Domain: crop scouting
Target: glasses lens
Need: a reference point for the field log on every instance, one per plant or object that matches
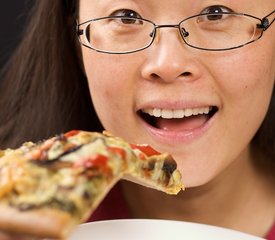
(118, 34)
(220, 31)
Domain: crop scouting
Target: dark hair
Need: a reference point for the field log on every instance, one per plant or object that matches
(45, 90)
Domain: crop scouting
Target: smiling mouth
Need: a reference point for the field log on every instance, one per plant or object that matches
(179, 119)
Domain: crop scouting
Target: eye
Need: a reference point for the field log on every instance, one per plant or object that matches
(216, 9)
(216, 12)
(125, 13)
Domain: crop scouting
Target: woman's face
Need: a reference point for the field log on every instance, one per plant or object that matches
(170, 78)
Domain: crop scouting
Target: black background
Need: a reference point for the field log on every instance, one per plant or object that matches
(13, 15)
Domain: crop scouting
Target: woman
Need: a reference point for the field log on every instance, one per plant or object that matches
(199, 87)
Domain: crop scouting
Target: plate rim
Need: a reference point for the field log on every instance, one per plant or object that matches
(163, 221)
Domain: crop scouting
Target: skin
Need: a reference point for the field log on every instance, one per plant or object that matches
(216, 162)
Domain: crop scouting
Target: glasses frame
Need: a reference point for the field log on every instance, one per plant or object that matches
(263, 26)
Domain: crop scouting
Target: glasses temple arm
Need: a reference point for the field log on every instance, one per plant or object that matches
(78, 30)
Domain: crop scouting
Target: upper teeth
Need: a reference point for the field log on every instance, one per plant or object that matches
(176, 113)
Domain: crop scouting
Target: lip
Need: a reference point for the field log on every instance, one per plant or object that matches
(176, 137)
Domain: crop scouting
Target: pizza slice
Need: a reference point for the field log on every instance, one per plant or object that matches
(48, 188)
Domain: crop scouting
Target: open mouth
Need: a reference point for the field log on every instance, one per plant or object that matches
(178, 119)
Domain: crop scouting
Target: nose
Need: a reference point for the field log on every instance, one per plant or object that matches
(170, 59)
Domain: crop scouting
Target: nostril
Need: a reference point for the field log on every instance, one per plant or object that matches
(186, 74)
(154, 76)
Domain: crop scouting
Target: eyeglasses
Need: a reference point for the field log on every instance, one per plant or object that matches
(208, 31)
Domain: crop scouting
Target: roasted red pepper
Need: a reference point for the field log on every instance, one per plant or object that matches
(71, 133)
(96, 162)
(119, 151)
(146, 149)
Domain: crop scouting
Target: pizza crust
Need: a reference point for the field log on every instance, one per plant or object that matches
(50, 223)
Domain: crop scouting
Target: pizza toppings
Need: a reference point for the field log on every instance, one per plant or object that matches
(71, 173)
(146, 149)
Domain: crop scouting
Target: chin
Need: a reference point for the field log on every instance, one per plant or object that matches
(194, 175)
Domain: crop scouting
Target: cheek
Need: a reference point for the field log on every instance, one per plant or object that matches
(250, 69)
(102, 77)
(109, 82)
(247, 79)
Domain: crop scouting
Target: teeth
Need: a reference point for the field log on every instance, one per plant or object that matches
(177, 113)
(156, 112)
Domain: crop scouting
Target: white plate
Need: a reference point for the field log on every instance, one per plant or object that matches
(141, 229)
